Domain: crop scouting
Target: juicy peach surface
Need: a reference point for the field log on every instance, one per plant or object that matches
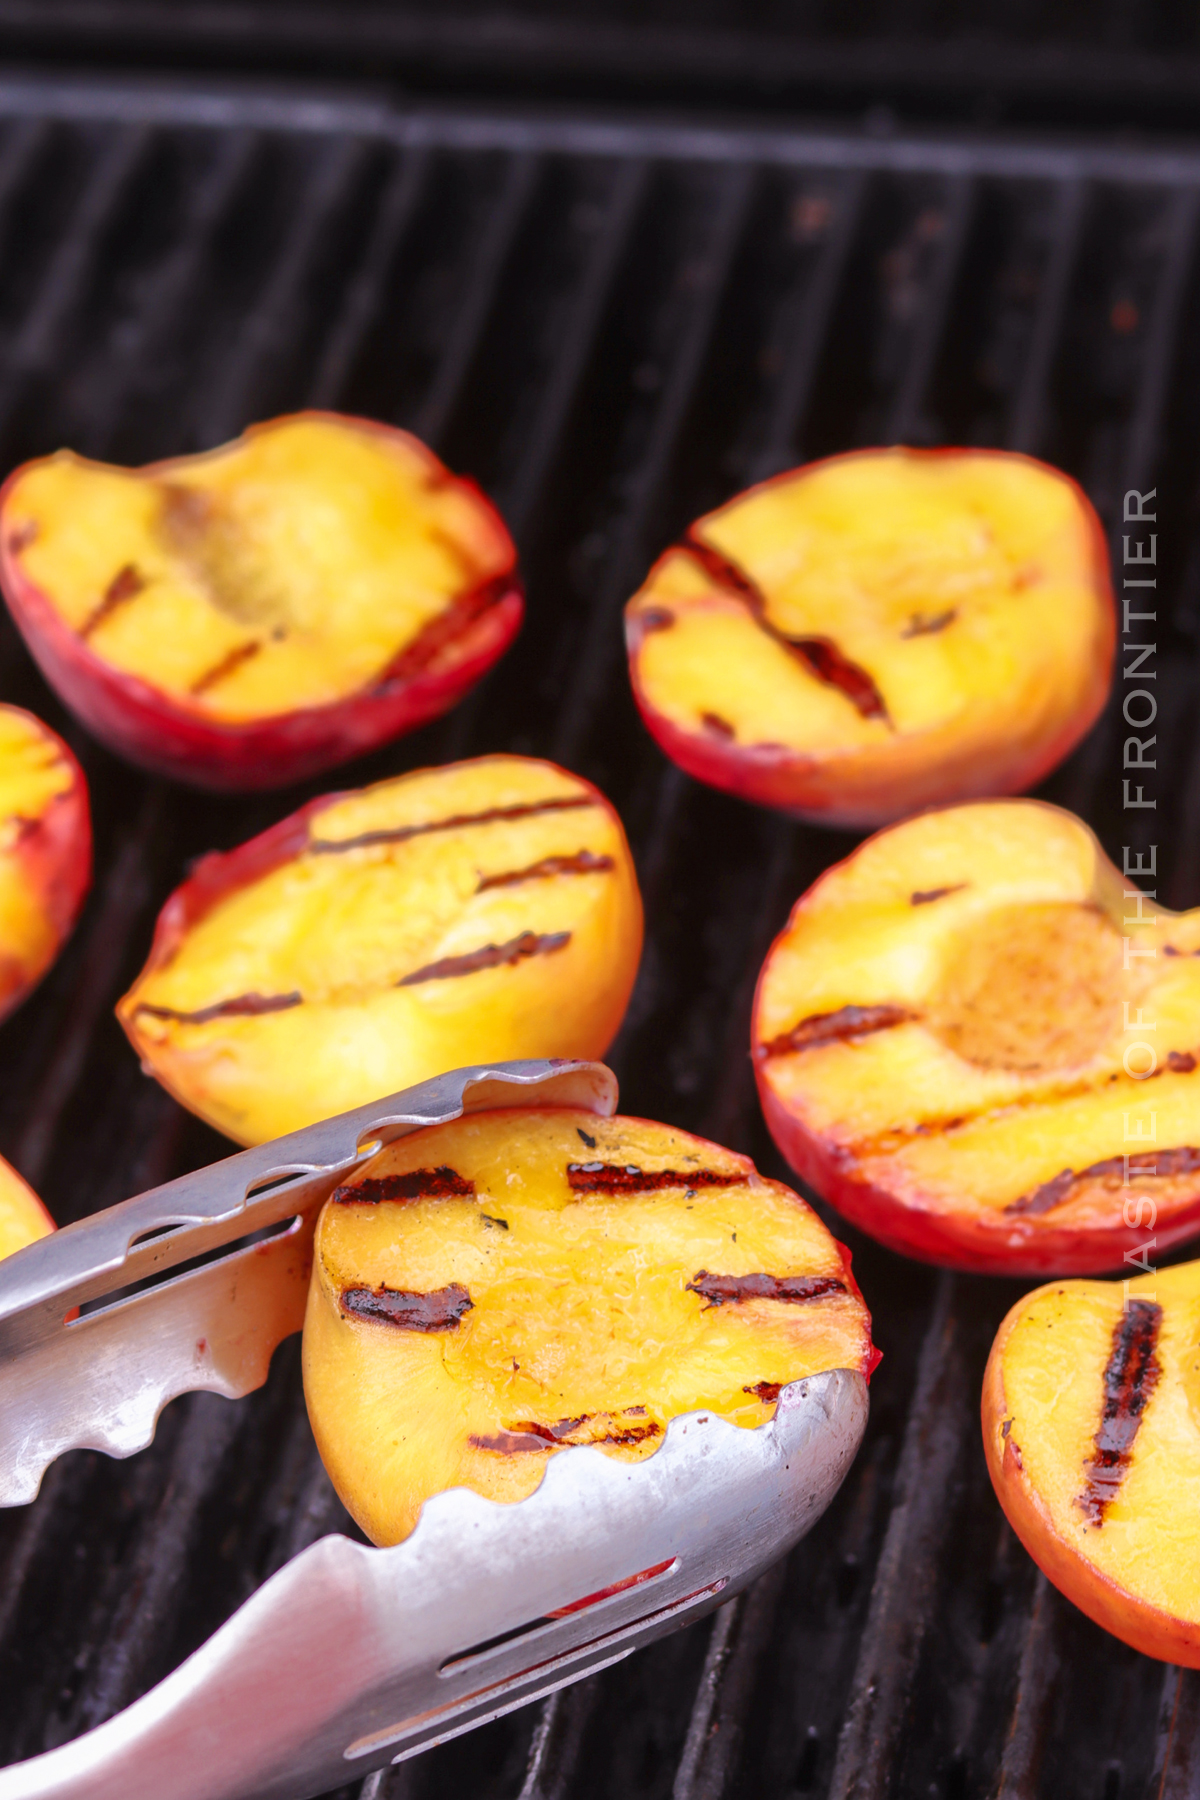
(488, 1292)
(477, 912)
(879, 632)
(23, 1218)
(45, 850)
(259, 612)
(1091, 1425)
(964, 1032)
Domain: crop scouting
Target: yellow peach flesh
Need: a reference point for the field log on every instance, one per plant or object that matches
(968, 589)
(34, 773)
(283, 571)
(574, 1310)
(23, 1218)
(1128, 1551)
(997, 935)
(356, 933)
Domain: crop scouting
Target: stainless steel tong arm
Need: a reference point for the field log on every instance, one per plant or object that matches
(350, 1658)
(99, 1380)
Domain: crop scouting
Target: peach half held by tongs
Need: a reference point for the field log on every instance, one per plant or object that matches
(485, 1605)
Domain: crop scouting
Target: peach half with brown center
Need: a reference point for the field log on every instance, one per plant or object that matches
(255, 614)
(880, 632)
(466, 914)
(45, 850)
(490, 1292)
(1091, 1426)
(981, 1042)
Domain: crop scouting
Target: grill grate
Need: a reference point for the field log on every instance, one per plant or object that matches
(613, 324)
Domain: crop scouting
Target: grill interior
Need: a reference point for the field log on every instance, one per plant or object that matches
(1111, 63)
(613, 325)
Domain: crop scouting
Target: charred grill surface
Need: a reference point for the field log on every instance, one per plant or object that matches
(612, 331)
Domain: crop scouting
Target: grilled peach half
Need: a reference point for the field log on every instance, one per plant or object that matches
(981, 1043)
(23, 1218)
(45, 850)
(1091, 1425)
(880, 632)
(490, 1292)
(481, 911)
(261, 612)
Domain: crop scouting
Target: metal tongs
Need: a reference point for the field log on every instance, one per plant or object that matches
(352, 1657)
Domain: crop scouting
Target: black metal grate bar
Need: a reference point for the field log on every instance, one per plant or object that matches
(32, 351)
(496, 248)
(1029, 424)
(521, 498)
(136, 361)
(708, 279)
(907, 421)
(557, 1746)
(122, 902)
(809, 316)
(397, 211)
(1143, 449)
(248, 377)
(1145, 443)
(905, 1589)
(740, 1634)
(1023, 1752)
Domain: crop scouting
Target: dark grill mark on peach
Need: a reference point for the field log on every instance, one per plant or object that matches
(1182, 1062)
(414, 1184)
(400, 834)
(1130, 1378)
(720, 1290)
(589, 1428)
(719, 727)
(453, 622)
(829, 665)
(490, 1219)
(727, 574)
(925, 624)
(439, 1310)
(242, 1006)
(241, 653)
(124, 585)
(491, 956)
(766, 1391)
(655, 618)
(926, 896)
(820, 655)
(627, 1178)
(584, 862)
(1185, 1160)
(847, 1023)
